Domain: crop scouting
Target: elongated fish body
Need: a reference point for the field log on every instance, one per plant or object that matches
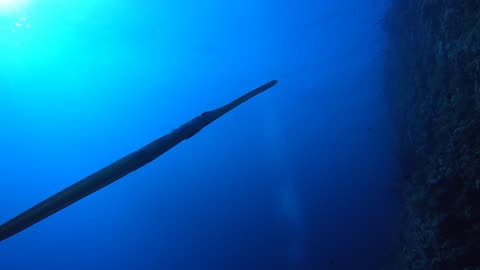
(120, 168)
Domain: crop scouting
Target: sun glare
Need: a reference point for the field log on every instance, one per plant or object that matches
(11, 5)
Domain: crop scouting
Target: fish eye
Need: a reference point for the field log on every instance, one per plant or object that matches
(203, 114)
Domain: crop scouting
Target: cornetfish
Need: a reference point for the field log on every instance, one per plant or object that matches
(120, 168)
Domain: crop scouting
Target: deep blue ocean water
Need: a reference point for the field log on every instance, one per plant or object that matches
(300, 177)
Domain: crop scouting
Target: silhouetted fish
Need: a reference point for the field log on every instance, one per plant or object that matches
(120, 168)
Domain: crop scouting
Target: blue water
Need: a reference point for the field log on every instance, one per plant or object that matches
(299, 177)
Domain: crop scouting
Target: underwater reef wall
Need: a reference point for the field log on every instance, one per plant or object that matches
(432, 86)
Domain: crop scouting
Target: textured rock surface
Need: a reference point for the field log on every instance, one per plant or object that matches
(433, 89)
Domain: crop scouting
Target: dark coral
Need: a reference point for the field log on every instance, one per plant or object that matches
(432, 85)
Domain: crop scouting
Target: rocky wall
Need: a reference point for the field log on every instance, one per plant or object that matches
(432, 86)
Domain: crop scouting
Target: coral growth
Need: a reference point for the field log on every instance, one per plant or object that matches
(432, 85)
